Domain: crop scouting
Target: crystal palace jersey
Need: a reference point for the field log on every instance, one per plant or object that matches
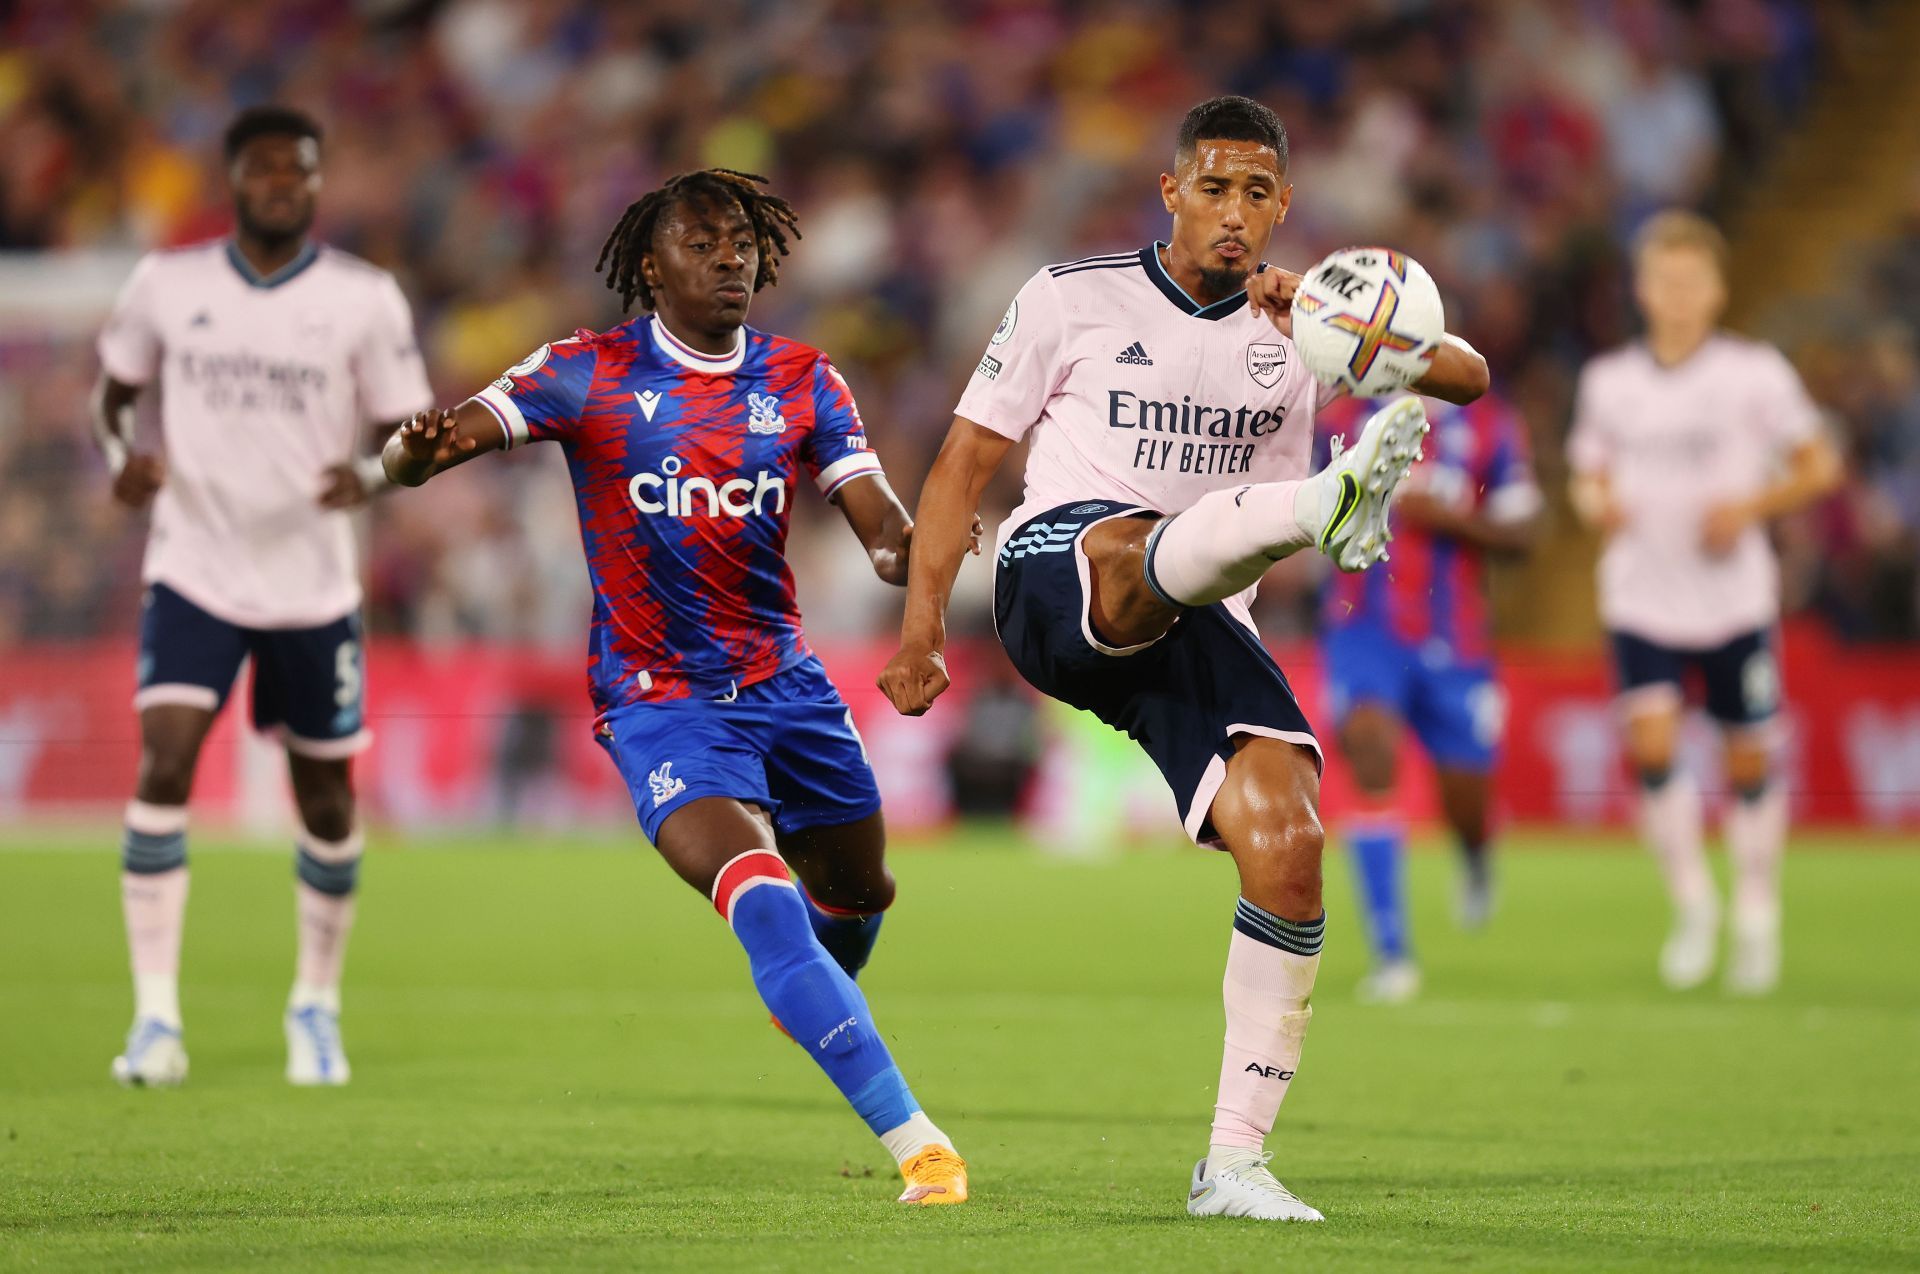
(264, 381)
(1133, 391)
(685, 467)
(1430, 593)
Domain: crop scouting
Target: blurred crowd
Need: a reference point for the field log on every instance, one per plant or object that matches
(937, 153)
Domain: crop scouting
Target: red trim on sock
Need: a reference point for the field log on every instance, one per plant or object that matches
(756, 865)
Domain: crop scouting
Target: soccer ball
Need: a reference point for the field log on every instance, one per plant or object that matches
(1365, 318)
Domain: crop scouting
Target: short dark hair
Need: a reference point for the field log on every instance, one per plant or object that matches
(267, 121)
(771, 216)
(1232, 119)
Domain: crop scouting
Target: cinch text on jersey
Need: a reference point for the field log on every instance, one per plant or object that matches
(703, 497)
(1130, 411)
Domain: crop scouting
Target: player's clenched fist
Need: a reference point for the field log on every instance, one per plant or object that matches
(138, 479)
(913, 679)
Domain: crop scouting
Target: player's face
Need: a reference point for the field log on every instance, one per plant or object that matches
(276, 186)
(1679, 288)
(703, 265)
(1225, 202)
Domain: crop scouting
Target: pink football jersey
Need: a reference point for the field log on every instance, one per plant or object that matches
(1673, 442)
(264, 383)
(1135, 392)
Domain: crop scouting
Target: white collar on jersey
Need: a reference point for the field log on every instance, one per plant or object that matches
(687, 356)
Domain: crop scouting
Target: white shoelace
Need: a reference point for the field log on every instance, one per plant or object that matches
(1254, 1172)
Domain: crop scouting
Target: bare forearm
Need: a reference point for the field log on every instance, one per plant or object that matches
(1457, 374)
(941, 537)
(111, 415)
(1815, 471)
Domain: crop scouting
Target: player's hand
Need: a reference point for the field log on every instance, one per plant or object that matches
(1424, 509)
(1723, 527)
(913, 679)
(344, 489)
(431, 437)
(1270, 292)
(141, 476)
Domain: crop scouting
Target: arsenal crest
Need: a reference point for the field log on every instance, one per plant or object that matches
(1266, 363)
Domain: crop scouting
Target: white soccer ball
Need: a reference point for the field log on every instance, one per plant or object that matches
(1366, 318)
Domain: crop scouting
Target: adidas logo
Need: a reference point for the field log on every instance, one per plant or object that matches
(1136, 354)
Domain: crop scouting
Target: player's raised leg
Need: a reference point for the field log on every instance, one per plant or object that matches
(326, 878)
(1670, 822)
(726, 849)
(1228, 539)
(1376, 838)
(153, 882)
(1266, 813)
(845, 884)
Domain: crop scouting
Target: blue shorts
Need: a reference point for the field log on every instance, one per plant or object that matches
(1741, 678)
(1454, 707)
(786, 744)
(1183, 697)
(309, 684)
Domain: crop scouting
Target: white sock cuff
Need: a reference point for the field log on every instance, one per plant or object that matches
(332, 851)
(909, 1139)
(156, 820)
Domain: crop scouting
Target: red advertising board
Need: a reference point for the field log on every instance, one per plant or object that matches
(475, 734)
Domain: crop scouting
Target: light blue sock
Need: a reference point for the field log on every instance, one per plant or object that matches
(1378, 861)
(818, 1004)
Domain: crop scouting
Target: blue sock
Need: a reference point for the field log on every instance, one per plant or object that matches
(818, 1004)
(847, 936)
(1378, 861)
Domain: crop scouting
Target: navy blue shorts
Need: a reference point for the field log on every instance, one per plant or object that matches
(1182, 698)
(1454, 706)
(309, 684)
(786, 744)
(1741, 678)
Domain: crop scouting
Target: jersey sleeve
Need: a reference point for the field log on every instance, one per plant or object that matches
(541, 397)
(836, 450)
(1508, 490)
(1787, 413)
(1587, 448)
(1023, 365)
(130, 342)
(392, 378)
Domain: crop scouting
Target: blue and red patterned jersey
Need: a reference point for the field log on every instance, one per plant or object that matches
(1432, 588)
(685, 468)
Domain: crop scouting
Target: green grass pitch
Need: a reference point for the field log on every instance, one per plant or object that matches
(559, 1064)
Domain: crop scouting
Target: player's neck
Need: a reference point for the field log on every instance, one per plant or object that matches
(1195, 282)
(1674, 346)
(268, 256)
(718, 343)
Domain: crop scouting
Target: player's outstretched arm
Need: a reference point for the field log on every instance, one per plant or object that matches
(880, 520)
(949, 503)
(136, 474)
(436, 439)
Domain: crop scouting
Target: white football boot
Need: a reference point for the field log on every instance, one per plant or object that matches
(156, 1056)
(1754, 968)
(315, 1055)
(1687, 959)
(1358, 484)
(1240, 1185)
(1391, 982)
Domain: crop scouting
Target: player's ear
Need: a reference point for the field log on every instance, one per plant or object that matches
(1285, 200)
(1169, 190)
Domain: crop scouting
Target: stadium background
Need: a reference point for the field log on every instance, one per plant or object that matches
(937, 152)
(558, 1060)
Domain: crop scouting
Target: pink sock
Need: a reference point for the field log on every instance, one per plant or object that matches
(1670, 821)
(153, 899)
(325, 922)
(1756, 842)
(1266, 992)
(1224, 543)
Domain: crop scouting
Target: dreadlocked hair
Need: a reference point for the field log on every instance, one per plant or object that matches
(772, 219)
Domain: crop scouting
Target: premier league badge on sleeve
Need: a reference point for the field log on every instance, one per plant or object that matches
(1266, 363)
(1007, 320)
